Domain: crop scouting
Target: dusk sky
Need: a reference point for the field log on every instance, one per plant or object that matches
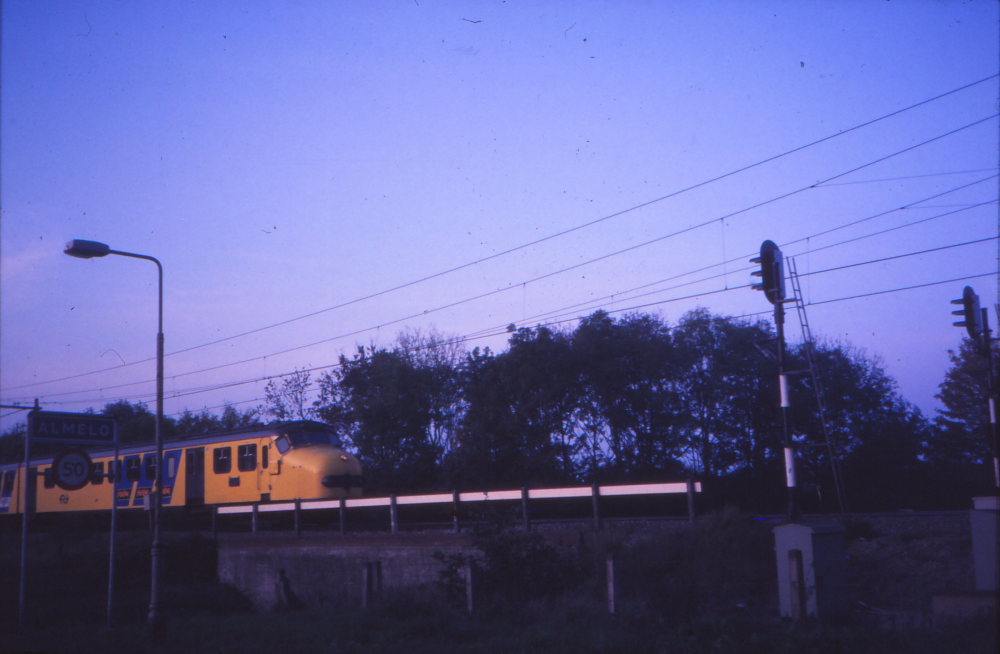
(318, 175)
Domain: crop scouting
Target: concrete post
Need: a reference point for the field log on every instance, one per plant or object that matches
(613, 588)
(215, 523)
(298, 521)
(254, 519)
(984, 520)
(343, 516)
(454, 511)
(470, 585)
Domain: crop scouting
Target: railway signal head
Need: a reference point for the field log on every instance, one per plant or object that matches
(771, 273)
(970, 311)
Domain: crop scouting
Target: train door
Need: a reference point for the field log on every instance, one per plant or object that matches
(266, 468)
(194, 475)
(171, 466)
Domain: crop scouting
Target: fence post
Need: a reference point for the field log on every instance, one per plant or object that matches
(393, 515)
(254, 520)
(454, 510)
(215, 522)
(613, 590)
(524, 508)
(690, 494)
(595, 494)
(298, 522)
(470, 585)
(343, 516)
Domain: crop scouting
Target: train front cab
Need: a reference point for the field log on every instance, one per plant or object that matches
(292, 465)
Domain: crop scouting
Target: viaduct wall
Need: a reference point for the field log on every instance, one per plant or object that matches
(284, 571)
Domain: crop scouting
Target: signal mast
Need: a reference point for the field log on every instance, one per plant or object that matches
(772, 275)
(977, 323)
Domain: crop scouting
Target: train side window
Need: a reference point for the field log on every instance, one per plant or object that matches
(8, 482)
(263, 456)
(132, 469)
(171, 467)
(281, 442)
(98, 475)
(222, 461)
(150, 466)
(247, 458)
(111, 471)
(50, 480)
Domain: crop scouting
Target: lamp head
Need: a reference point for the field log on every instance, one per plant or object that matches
(86, 249)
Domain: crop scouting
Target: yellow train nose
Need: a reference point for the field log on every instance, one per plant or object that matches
(345, 481)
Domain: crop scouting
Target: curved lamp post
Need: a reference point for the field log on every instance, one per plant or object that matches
(88, 250)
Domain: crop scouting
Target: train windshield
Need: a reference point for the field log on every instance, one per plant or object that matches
(304, 438)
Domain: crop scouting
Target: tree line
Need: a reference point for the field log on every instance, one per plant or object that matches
(630, 399)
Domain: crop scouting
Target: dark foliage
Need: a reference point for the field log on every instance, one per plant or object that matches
(632, 399)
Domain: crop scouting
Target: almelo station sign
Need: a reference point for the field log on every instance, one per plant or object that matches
(71, 428)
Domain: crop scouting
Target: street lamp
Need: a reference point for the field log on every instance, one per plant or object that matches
(88, 250)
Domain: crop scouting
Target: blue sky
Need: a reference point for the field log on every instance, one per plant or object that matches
(281, 159)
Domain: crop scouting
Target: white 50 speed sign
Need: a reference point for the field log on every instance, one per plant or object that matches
(72, 469)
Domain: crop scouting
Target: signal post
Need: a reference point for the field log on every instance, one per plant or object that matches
(976, 321)
(772, 274)
(984, 518)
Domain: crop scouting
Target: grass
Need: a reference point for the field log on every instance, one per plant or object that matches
(706, 589)
(406, 624)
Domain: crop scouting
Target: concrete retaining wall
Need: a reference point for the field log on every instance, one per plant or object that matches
(287, 572)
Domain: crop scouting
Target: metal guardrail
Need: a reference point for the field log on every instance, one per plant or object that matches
(482, 496)
(525, 495)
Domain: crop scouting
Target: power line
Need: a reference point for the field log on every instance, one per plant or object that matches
(603, 257)
(600, 301)
(899, 256)
(467, 337)
(895, 179)
(576, 228)
(403, 319)
(634, 308)
(631, 308)
(905, 288)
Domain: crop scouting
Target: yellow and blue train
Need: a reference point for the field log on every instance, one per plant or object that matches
(299, 460)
